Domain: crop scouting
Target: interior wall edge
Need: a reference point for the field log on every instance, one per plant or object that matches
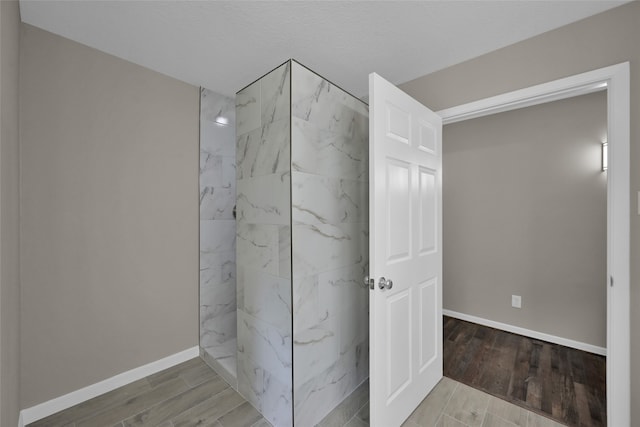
(9, 213)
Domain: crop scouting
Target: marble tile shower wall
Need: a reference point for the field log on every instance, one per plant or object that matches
(330, 238)
(217, 233)
(264, 245)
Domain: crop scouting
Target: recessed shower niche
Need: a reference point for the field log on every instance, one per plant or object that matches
(302, 247)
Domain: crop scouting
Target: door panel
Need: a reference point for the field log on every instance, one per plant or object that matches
(405, 246)
(428, 206)
(398, 199)
(398, 124)
(399, 315)
(428, 323)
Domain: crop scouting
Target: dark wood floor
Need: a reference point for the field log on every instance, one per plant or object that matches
(562, 383)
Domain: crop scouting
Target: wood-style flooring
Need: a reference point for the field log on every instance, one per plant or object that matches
(453, 404)
(562, 383)
(189, 394)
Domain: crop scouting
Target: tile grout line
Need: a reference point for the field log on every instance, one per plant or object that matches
(526, 420)
(486, 410)
(238, 405)
(506, 420)
(455, 388)
(350, 419)
(356, 413)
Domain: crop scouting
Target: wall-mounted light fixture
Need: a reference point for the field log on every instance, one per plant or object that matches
(605, 156)
(221, 120)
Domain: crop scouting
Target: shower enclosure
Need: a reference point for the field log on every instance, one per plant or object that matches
(302, 248)
(217, 233)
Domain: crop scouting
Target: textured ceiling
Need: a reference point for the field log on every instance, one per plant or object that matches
(224, 45)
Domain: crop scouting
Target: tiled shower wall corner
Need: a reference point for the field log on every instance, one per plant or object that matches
(264, 245)
(302, 156)
(330, 201)
(217, 233)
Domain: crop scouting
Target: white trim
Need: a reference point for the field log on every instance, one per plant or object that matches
(615, 79)
(580, 84)
(527, 332)
(66, 401)
(20, 420)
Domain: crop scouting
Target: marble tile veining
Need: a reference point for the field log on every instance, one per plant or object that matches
(319, 150)
(325, 247)
(265, 200)
(301, 244)
(328, 200)
(264, 245)
(257, 248)
(330, 212)
(218, 323)
(318, 101)
(250, 380)
(265, 345)
(268, 298)
(275, 92)
(276, 405)
(265, 150)
(248, 109)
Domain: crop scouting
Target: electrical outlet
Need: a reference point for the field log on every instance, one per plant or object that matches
(516, 301)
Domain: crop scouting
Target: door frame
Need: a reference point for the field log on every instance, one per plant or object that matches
(615, 80)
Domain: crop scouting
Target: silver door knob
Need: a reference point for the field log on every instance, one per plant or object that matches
(369, 282)
(385, 283)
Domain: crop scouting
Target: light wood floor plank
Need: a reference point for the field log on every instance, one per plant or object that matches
(97, 404)
(174, 372)
(136, 404)
(167, 409)
(207, 412)
(242, 416)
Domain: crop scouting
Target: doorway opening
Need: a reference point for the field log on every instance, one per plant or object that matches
(615, 80)
(524, 202)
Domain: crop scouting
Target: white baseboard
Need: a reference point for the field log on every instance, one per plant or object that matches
(58, 404)
(527, 332)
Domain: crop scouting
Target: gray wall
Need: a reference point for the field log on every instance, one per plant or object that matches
(605, 39)
(109, 244)
(9, 214)
(525, 213)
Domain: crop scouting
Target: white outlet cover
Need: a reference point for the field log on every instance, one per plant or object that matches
(516, 301)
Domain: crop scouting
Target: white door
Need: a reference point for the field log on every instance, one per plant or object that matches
(405, 320)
